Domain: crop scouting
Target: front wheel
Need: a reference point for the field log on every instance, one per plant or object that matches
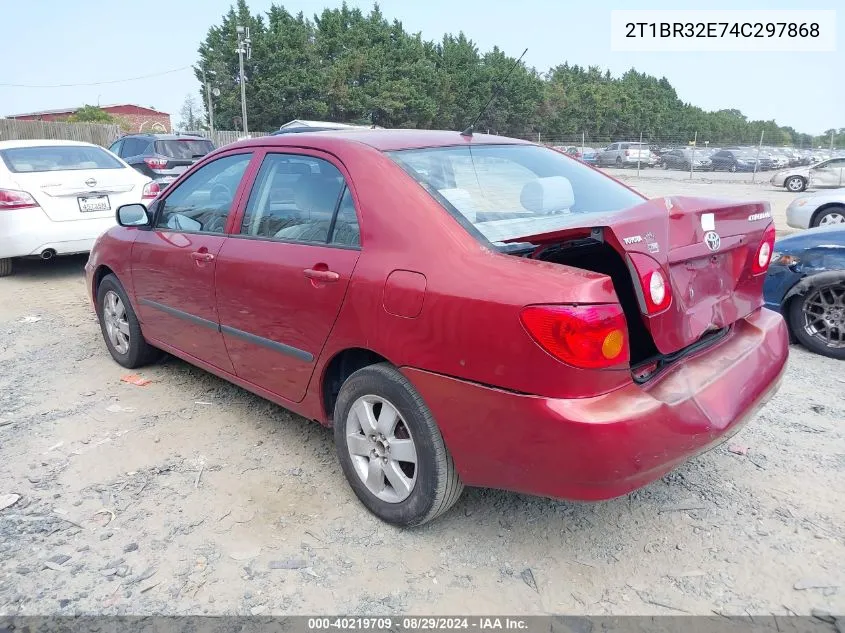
(733, 169)
(618, 162)
(817, 320)
(120, 326)
(391, 450)
(795, 184)
(5, 266)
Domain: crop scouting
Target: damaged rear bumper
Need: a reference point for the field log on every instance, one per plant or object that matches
(605, 446)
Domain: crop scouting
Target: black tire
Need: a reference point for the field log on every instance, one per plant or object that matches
(437, 486)
(619, 162)
(665, 165)
(140, 352)
(795, 184)
(819, 217)
(5, 266)
(732, 168)
(795, 318)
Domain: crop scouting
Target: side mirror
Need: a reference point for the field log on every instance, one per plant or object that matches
(132, 215)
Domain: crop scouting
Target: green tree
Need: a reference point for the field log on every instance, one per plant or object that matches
(91, 114)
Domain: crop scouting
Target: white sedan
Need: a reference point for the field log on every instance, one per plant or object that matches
(57, 197)
(821, 208)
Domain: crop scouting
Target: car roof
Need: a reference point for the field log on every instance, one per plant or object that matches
(382, 140)
(43, 142)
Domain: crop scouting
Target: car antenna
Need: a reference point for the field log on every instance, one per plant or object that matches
(495, 91)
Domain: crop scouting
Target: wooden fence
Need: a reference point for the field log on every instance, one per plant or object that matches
(98, 133)
(224, 137)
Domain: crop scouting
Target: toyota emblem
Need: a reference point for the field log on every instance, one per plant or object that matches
(91, 182)
(713, 241)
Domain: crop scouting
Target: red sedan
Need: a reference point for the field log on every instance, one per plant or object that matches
(463, 310)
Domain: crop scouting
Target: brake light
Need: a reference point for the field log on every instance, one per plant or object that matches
(10, 199)
(156, 163)
(763, 256)
(151, 190)
(656, 293)
(627, 152)
(587, 336)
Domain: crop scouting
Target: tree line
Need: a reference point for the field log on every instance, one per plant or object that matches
(347, 66)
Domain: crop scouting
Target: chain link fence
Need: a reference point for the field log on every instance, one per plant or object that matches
(695, 157)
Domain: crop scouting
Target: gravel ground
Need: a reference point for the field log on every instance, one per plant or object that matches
(190, 496)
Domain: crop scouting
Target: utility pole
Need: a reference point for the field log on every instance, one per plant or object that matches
(209, 106)
(244, 48)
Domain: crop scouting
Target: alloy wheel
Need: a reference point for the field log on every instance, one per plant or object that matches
(824, 315)
(382, 449)
(833, 217)
(117, 324)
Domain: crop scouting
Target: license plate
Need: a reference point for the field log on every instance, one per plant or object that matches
(88, 204)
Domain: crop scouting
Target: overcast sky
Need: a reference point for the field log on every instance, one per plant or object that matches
(86, 41)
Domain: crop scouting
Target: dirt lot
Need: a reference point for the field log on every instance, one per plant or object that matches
(190, 495)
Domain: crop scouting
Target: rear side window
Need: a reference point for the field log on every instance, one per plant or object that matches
(58, 158)
(294, 198)
(184, 148)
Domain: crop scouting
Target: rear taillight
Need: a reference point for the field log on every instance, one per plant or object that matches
(11, 199)
(587, 336)
(627, 152)
(763, 256)
(156, 163)
(656, 293)
(151, 190)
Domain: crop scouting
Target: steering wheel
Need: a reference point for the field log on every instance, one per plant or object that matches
(217, 224)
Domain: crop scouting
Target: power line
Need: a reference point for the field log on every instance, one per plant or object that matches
(96, 83)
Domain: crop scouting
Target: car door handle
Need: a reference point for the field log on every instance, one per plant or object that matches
(321, 275)
(202, 257)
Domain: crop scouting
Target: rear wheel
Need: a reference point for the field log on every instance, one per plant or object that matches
(619, 162)
(796, 184)
(732, 168)
(391, 450)
(5, 267)
(818, 320)
(120, 326)
(831, 215)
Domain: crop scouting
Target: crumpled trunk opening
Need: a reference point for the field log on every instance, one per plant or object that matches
(600, 257)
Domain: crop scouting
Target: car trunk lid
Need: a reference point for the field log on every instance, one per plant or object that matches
(705, 251)
(81, 193)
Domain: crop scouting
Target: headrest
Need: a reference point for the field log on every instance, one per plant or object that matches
(312, 194)
(547, 194)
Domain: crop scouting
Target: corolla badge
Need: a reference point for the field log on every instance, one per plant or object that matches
(713, 241)
(91, 182)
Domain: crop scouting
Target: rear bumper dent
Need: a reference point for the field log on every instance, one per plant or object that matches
(605, 446)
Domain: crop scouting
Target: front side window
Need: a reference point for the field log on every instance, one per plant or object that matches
(58, 158)
(202, 202)
(512, 191)
(294, 198)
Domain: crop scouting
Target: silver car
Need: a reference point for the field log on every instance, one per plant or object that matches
(822, 208)
(626, 155)
(828, 173)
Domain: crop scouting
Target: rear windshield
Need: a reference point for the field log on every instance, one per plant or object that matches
(511, 191)
(187, 148)
(58, 158)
